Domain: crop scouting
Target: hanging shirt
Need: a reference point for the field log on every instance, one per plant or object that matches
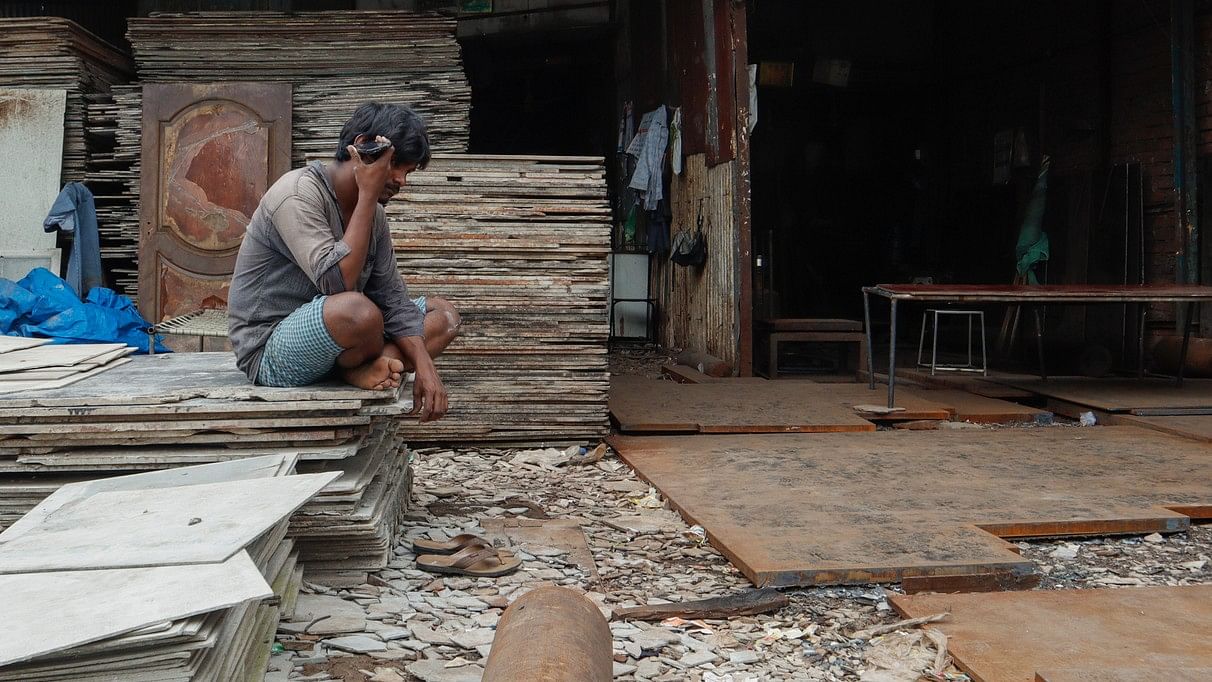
(75, 213)
(648, 148)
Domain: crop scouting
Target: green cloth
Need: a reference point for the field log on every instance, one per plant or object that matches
(1032, 247)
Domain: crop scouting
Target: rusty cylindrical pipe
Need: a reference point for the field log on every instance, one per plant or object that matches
(1199, 356)
(551, 634)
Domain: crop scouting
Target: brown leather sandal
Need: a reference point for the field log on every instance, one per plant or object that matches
(475, 561)
(458, 542)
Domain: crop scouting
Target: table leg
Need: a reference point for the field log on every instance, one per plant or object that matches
(891, 354)
(1142, 312)
(1039, 342)
(870, 343)
(773, 342)
(1182, 354)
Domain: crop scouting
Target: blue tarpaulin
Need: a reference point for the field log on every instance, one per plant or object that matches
(42, 305)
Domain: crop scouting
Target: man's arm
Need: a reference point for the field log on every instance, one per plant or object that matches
(370, 179)
(428, 393)
(404, 324)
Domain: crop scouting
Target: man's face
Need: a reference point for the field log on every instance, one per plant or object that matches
(396, 179)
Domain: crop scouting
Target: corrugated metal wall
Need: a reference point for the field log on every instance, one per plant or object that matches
(702, 304)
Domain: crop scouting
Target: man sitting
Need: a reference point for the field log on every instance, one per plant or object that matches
(316, 287)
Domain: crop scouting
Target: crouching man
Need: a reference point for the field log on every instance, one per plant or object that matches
(316, 290)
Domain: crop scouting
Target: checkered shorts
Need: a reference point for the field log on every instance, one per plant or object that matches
(301, 351)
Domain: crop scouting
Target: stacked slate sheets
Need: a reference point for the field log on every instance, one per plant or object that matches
(34, 364)
(348, 530)
(55, 53)
(115, 124)
(172, 575)
(519, 245)
(172, 410)
(330, 59)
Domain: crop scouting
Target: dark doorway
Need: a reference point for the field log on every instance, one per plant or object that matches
(541, 93)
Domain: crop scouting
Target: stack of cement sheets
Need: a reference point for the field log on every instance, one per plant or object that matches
(51, 52)
(32, 364)
(519, 244)
(115, 122)
(348, 530)
(172, 575)
(171, 410)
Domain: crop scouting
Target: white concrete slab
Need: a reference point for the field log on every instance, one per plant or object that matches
(235, 470)
(194, 524)
(49, 612)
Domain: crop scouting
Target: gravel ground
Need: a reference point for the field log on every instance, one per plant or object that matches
(410, 625)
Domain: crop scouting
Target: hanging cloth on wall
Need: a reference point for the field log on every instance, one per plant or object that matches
(74, 213)
(648, 148)
(1032, 247)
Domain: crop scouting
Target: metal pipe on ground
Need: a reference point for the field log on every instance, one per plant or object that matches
(1166, 352)
(551, 634)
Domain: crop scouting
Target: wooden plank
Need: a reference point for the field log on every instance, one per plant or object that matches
(205, 523)
(729, 406)
(788, 514)
(747, 603)
(1010, 636)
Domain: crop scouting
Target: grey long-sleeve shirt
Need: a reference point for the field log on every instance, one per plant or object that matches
(291, 254)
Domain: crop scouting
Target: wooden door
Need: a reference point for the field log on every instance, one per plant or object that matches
(209, 153)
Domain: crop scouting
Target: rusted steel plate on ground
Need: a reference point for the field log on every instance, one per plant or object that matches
(1153, 395)
(1075, 635)
(730, 406)
(797, 509)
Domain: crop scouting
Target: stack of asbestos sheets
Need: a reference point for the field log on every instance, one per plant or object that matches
(55, 53)
(34, 364)
(519, 244)
(167, 575)
(165, 411)
(333, 60)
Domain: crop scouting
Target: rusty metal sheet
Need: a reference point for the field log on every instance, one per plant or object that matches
(209, 153)
(729, 406)
(852, 508)
(1150, 396)
(1121, 635)
(1195, 427)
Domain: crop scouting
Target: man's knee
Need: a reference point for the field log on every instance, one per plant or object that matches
(352, 319)
(446, 313)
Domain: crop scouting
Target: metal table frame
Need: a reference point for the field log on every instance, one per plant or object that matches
(1036, 297)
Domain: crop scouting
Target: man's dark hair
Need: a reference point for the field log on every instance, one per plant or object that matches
(398, 123)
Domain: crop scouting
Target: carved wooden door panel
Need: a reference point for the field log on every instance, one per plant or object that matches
(209, 153)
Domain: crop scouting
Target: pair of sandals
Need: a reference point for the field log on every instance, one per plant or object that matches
(465, 554)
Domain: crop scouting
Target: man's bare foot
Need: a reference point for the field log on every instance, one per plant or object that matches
(381, 374)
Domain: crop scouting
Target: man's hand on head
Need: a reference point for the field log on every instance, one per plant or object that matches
(428, 393)
(372, 177)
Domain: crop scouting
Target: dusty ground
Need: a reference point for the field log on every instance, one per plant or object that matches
(440, 628)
